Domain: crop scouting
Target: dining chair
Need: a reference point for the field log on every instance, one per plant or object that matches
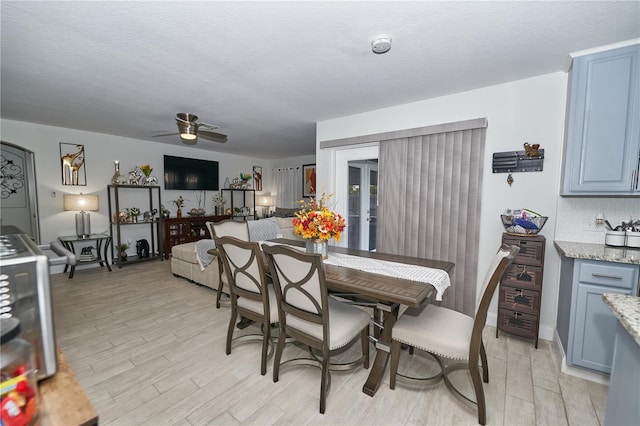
(226, 228)
(251, 295)
(445, 333)
(308, 315)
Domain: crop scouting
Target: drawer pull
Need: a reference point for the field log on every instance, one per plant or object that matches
(613, 277)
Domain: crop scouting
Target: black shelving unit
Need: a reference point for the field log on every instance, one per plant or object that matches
(155, 225)
(241, 198)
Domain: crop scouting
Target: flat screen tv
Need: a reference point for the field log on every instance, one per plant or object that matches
(190, 174)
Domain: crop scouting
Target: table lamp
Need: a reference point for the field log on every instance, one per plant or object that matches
(265, 201)
(81, 203)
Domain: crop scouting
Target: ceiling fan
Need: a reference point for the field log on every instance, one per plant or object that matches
(190, 129)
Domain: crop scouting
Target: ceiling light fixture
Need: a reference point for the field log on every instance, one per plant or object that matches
(381, 44)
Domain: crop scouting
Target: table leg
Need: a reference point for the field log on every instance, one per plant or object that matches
(105, 253)
(69, 246)
(383, 349)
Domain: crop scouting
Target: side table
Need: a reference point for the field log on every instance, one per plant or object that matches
(102, 242)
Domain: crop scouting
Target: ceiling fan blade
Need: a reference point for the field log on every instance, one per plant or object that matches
(165, 134)
(213, 136)
(210, 126)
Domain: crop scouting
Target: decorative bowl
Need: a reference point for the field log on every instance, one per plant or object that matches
(519, 226)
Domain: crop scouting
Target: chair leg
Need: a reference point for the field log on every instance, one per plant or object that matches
(364, 337)
(323, 385)
(219, 292)
(265, 347)
(395, 359)
(232, 324)
(276, 359)
(485, 364)
(479, 391)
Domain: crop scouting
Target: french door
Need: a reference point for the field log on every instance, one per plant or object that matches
(363, 203)
(357, 195)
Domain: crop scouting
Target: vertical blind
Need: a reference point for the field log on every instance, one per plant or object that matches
(430, 188)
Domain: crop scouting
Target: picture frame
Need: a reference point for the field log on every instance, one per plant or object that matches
(72, 163)
(257, 178)
(308, 180)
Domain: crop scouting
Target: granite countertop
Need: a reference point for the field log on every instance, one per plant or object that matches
(598, 252)
(627, 310)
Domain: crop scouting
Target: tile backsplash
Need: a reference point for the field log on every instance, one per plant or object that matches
(576, 217)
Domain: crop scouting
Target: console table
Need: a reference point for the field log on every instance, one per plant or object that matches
(180, 230)
(102, 242)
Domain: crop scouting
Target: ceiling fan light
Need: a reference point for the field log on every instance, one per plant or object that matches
(188, 136)
(189, 139)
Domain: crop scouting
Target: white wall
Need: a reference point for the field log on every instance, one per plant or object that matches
(101, 151)
(530, 110)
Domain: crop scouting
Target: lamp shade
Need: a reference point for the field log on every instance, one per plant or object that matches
(265, 200)
(73, 202)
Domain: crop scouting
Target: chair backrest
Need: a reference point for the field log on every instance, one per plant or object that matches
(502, 259)
(301, 291)
(229, 228)
(244, 267)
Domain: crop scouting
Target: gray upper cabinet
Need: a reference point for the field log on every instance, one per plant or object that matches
(602, 135)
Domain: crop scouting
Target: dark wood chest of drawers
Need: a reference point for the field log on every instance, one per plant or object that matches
(186, 229)
(521, 288)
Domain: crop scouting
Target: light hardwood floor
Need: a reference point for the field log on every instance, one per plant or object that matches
(148, 348)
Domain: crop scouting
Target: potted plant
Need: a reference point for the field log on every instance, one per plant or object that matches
(164, 212)
(123, 253)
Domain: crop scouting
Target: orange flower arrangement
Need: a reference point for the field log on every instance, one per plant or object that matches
(316, 221)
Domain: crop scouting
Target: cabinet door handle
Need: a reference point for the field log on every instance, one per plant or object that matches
(613, 277)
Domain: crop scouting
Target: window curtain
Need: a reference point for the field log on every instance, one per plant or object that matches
(287, 186)
(430, 198)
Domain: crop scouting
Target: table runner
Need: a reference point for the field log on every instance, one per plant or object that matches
(438, 278)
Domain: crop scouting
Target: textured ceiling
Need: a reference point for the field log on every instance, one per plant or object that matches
(266, 72)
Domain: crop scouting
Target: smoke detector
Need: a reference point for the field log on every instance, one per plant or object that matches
(381, 44)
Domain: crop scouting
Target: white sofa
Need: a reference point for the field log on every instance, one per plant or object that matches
(184, 258)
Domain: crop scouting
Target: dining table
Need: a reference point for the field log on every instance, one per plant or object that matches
(388, 293)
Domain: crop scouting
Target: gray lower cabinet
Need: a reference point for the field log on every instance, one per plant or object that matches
(590, 331)
(602, 135)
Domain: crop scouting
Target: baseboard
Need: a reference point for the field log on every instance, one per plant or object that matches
(576, 371)
(545, 332)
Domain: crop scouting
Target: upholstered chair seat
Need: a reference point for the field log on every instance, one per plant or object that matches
(345, 322)
(258, 307)
(440, 331)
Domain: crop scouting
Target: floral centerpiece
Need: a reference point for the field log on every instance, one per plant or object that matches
(179, 203)
(317, 223)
